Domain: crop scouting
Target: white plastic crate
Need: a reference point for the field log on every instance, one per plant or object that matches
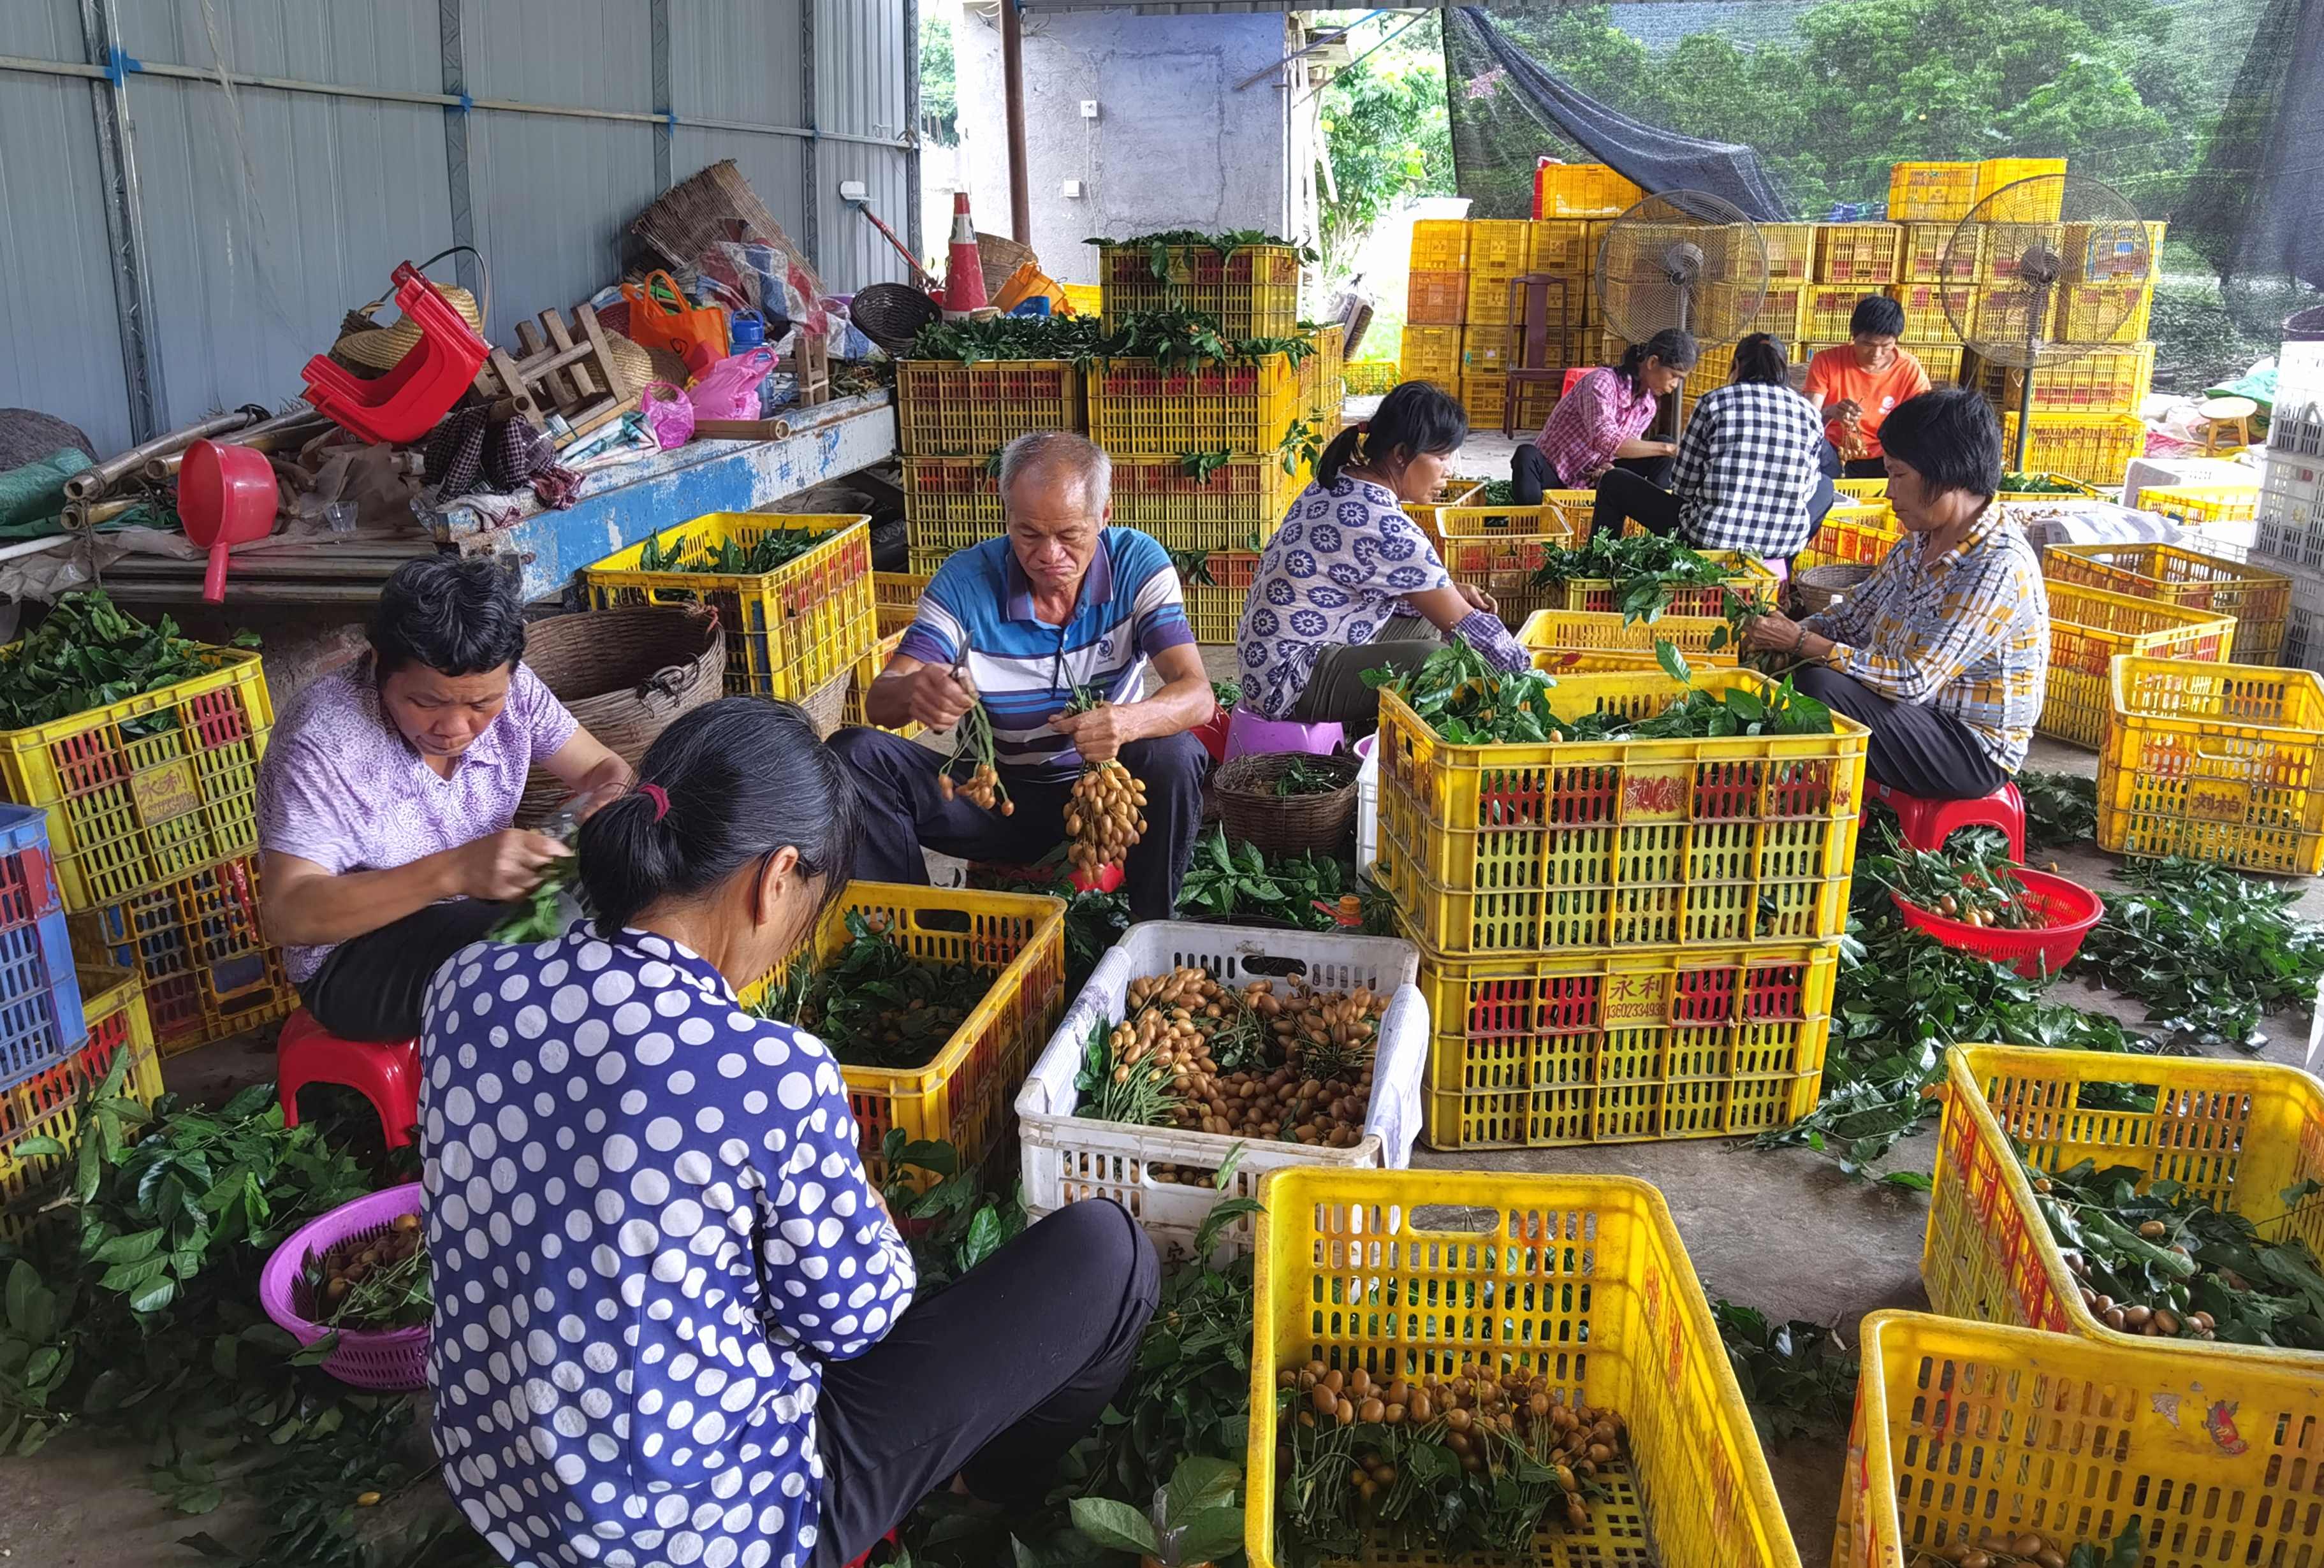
(1068, 1158)
(2303, 627)
(2288, 524)
(1368, 806)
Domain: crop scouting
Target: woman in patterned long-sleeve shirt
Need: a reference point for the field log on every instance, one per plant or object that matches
(674, 1323)
(1944, 651)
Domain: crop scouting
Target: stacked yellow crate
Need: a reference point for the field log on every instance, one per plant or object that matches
(1461, 307)
(1620, 941)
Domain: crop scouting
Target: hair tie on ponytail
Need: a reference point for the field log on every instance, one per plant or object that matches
(661, 799)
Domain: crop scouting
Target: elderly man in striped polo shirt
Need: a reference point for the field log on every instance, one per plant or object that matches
(1062, 604)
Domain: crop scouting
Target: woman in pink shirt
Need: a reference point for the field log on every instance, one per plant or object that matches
(1601, 423)
(386, 800)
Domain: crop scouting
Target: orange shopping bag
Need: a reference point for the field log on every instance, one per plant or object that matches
(660, 317)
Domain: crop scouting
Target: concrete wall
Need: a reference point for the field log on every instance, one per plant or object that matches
(1175, 144)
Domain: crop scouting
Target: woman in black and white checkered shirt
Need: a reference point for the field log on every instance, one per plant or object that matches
(1751, 471)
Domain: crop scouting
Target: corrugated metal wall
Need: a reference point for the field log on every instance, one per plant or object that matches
(267, 213)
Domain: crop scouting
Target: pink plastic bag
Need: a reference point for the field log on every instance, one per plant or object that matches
(669, 413)
(729, 389)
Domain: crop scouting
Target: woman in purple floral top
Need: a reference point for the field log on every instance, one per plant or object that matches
(1349, 584)
(386, 799)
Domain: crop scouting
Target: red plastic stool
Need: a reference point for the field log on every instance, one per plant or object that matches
(1927, 824)
(386, 1074)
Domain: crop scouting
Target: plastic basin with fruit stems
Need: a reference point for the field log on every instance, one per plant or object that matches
(368, 1357)
(2070, 909)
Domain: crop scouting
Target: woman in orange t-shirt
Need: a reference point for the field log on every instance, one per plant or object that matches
(1860, 384)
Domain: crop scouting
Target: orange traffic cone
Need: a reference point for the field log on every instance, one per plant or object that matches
(965, 273)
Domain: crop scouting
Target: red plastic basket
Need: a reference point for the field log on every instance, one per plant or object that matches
(2071, 908)
(384, 1357)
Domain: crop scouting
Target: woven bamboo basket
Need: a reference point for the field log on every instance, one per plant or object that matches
(1252, 812)
(1817, 587)
(626, 674)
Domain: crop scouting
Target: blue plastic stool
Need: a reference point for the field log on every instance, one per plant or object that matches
(1249, 734)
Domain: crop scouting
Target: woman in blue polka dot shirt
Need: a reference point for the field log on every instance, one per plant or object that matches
(674, 1323)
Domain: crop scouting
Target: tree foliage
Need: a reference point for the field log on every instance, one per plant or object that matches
(1388, 137)
(1868, 83)
(940, 88)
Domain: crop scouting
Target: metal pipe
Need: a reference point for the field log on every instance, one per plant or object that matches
(1013, 98)
(17, 63)
(96, 479)
(268, 435)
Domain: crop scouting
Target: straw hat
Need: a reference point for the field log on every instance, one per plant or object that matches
(366, 345)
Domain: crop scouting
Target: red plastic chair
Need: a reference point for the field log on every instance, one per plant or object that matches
(1927, 824)
(404, 404)
(385, 1074)
(1573, 375)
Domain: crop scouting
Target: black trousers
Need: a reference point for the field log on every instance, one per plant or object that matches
(903, 814)
(1913, 749)
(1336, 691)
(992, 1382)
(1623, 493)
(1864, 468)
(1530, 473)
(371, 987)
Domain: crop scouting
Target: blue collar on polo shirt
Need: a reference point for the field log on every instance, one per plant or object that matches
(1097, 583)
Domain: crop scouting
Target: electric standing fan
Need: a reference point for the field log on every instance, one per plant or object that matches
(2065, 256)
(1684, 259)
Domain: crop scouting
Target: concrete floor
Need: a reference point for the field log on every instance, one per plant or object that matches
(1784, 1231)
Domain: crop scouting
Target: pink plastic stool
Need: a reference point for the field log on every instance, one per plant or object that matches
(1927, 824)
(1249, 734)
(387, 1074)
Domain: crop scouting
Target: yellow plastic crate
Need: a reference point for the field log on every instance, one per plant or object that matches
(2112, 251)
(1485, 350)
(200, 954)
(2216, 762)
(1942, 361)
(1542, 1051)
(1744, 576)
(1581, 191)
(1577, 640)
(1779, 313)
(867, 670)
(1435, 299)
(1826, 309)
(1995, 173)
(1925, 192)
(1484, 396)
(2233, 1133)
(1498, 548)
(2192, 506)
(2007, 245)
(1926, 320)
(1371, 378)
(1142, 408)
(1433, 354)
(1440, 245)
(966, 1091)
(1963, 1428)
(1790, 252)
(1941, 254)
(1323, 375)
(952, 503)
(788, 631)
(2259, 600)
(2095, 448)
(2111, 379)
(1582, 1279)
(150, 788)
(945, 408)
(1528, 849)
(1502, 246)
(897, 597)
(2088, 627)
(113, 1011)
(1452, 492)
(1253, 290)
(1861, 490)
(1214, 608)
(1857, 532)
(1561, 247)
(1866, 253)
(113, 1016)
(2102, 312)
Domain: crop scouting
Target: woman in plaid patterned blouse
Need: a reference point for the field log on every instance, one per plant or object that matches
(1945, 650)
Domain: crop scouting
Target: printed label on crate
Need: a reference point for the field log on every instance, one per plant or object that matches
(1656, 793)
(166, 791)
(2219, 800)
(1633, 999)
